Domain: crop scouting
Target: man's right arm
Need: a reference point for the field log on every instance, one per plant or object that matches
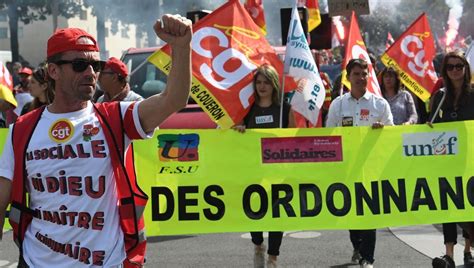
(177, 32)
(5, 189)
(333, 118)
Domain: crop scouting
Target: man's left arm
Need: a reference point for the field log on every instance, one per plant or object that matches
(333, 117)
(177, 32)
(387, 117)
(411, 109)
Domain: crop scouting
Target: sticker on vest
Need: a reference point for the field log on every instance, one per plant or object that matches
(264, 119)
(61, 131)
(364, 114)
(89, 131)
(347, 121)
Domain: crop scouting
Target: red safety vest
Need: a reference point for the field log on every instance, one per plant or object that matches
(132, 199)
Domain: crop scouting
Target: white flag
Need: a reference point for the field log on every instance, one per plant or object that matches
(470, 59)
(308, 98)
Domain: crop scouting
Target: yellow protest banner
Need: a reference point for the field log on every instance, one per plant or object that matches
(302, 179)
(207, 181)
(3, 137)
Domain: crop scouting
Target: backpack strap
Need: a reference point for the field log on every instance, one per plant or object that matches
(132, 200)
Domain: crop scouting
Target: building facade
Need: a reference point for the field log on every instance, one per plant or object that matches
(32, 38)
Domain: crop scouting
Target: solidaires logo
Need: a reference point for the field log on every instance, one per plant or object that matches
(302, 149)
(61, 131)
(178, 147)
(430, 143)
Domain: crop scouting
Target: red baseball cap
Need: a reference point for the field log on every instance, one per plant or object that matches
(117, 66)
(26, 70)
(70, 39)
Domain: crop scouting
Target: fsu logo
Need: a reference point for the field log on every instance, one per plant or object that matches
(61, 131)
(180, 147)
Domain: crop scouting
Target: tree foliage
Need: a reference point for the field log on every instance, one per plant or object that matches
(124, 13)
(29, 11)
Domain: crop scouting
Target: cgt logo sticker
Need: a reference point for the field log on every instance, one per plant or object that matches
(178, 147)
(61, 131)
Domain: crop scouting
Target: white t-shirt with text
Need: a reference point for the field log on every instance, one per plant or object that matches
(71, 184)
(347, 111)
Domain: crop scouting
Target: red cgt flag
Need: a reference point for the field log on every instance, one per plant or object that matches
(255, 9)
(355, 49)
(412, 56)
(227, 47)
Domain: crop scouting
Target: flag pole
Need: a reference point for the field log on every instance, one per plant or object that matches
(439, 107)
(283, 78)
(282, 89)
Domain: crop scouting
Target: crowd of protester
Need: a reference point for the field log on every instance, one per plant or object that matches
(452, 100)
(32, 88)
(359, 107)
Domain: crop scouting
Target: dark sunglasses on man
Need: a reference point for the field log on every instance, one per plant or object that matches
(80, 65)
(451, 67)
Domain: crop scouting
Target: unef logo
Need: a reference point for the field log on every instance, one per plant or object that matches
(61, 131)
(431, 143)
(178, 147)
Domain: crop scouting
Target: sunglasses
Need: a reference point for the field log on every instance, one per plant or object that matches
(103, 72)
(80, 66)
(451, 67)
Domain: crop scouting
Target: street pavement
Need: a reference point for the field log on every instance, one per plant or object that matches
(397, 247)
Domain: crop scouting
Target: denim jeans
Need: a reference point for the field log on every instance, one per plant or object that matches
(364, 242)
(274, 241)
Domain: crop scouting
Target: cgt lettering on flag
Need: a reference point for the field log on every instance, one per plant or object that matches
(241, 66)
(227, 47)
(416, 56)
(412, 55)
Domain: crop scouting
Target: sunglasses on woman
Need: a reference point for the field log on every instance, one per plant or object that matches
(451, 67)
(80, 66)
